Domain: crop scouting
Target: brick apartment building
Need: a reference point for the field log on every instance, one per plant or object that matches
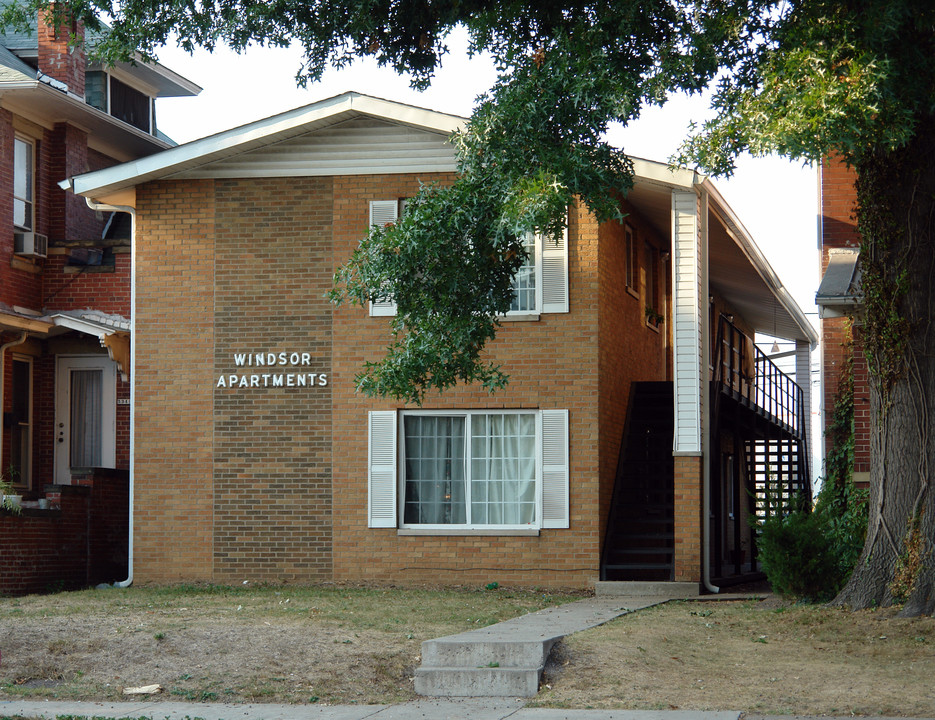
(839, 302)
(256, 459)
(65, 305)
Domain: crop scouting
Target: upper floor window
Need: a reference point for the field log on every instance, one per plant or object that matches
(540, 285)
(24, 183)
(120, 100)
(632, 261)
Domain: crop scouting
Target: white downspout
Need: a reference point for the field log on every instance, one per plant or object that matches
(705, 405)
(3, 349)
(132, 212)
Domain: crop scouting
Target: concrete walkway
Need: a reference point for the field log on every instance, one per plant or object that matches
(434, 709)
(507, 659)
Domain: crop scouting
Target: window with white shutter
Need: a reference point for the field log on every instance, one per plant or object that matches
(470, 469)
(541, 284)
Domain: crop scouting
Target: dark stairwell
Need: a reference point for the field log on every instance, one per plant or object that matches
(639, 543)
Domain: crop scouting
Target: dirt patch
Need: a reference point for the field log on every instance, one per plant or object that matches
(297, 645)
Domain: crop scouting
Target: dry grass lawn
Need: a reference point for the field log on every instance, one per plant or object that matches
(242, 644)
(361, 645)
(764, 658)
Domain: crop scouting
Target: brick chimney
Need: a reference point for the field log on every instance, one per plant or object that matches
(56, 58)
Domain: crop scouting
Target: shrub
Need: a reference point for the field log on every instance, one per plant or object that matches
(810, 553)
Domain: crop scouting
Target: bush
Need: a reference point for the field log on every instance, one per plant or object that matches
(810, 553)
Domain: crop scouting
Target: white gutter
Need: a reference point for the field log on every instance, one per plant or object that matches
(3, 349)
(132, 212)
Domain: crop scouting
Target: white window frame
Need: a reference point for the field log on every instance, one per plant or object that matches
(387, 478)
(30, 202)
(551, 273)
(468, 415)
(25, 477)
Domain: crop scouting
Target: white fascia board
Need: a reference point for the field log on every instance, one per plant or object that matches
(262, 132)
(758, 260)
(664, 174)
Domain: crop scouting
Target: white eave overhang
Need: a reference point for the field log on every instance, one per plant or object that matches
(161, 79)
(101, 185)
(770, 308)
(46, 106)
(839, 291)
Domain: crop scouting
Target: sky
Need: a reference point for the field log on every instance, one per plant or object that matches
(776, 200)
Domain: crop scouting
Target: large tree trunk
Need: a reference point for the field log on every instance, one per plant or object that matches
(896, 194)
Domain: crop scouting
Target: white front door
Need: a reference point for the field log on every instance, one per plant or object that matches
(85, 417)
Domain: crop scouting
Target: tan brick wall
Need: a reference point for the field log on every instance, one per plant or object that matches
(688, 488)
(552, 363)
(272, 446)
(629, 350)
(174, 376)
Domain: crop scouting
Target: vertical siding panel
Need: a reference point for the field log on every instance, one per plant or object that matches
(688, 306)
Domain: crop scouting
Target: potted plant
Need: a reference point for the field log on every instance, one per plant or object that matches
(653, 318)
(9, 499)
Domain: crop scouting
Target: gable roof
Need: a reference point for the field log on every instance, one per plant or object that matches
(354, 134)
(208, 156)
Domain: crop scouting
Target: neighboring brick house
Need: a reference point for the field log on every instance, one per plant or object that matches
(65, 300)
(256, 459)
(839, 302)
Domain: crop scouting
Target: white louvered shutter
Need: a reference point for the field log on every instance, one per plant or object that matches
(555, 273)
(383, 212)
(381, 464)
(555, 468)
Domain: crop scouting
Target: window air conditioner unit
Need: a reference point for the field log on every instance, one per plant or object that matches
(32, 244)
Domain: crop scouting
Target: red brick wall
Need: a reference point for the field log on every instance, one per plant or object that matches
(839, 230)
(107, 291)
(81, 542)
(57, 59)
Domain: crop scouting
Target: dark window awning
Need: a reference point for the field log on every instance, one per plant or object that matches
(839, 293)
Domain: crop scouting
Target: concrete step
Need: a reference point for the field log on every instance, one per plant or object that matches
(477, 682)
(636, 588)
(471, 653)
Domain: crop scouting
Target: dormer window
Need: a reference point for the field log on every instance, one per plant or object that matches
(116, 98)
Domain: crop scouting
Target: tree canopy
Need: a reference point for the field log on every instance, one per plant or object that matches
(802, 78)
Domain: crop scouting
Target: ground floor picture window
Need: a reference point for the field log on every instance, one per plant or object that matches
(469, 469)
(476, 469)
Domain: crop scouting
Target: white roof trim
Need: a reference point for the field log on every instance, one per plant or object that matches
(664, 174)
(91, 323)
(256, 134)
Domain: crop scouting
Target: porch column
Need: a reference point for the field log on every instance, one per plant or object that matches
(803, 378)
(689, 335)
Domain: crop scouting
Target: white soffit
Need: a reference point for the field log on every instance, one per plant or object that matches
(760, 296)
(270, 131)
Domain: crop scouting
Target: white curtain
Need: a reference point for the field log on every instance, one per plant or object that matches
(503, 469)
(434, 470)
(86, 418)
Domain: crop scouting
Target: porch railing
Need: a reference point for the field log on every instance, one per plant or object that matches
(748, 375)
